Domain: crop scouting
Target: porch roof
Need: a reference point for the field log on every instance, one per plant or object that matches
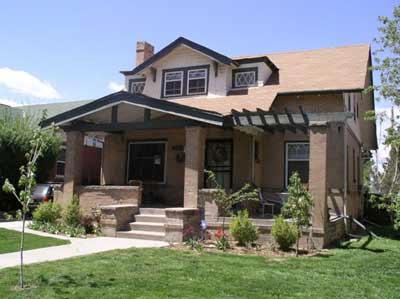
(138, 100)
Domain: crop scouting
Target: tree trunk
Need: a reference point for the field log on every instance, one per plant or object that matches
(297, 243)
(21, 252)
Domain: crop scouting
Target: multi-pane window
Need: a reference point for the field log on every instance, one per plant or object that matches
(60, 163)
(244, 77)
(197, 81)
(297, 160)
(137, 87)
(173, 83)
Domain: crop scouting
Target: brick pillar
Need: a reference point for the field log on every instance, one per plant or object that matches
(113, 162)
(73, 164)
(318, 175)
(194, 165)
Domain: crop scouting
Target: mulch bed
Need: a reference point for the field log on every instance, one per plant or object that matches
(267, 250)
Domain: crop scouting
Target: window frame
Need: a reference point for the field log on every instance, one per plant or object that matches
(185, 83)
(286, 156)
(136, 80)
(59, 176)
(235, 72)
(182, 80)
(165, 142)
(205, 81)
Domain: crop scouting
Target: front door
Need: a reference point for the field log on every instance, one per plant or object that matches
(146, 161)
(219, 160)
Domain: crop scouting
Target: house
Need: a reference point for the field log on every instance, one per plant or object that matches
(253, 119)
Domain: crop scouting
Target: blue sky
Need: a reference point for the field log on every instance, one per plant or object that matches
(73, 50)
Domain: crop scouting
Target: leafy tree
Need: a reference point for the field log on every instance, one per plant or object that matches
(27, 181)
(387, 62)
(298, 206)
(16, 131)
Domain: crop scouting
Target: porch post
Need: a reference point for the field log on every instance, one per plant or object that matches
(73, 165)
(318, 175)
(194, 165)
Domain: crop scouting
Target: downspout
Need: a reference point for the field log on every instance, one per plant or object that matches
(252, 149)
(346, 224)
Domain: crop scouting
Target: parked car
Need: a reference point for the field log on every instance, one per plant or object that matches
(42, 193)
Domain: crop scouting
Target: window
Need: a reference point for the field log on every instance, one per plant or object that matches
(297, 159)
(173, 83)
(60, 163)
(146, 161)
(219, 160)
(244, 77)
(137, 85)
(196, 81)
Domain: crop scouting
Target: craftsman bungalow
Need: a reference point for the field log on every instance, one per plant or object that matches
(252, 119)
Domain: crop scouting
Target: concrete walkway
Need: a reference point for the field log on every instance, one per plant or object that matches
(78, 247)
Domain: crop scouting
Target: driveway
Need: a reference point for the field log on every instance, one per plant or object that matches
(78, 247)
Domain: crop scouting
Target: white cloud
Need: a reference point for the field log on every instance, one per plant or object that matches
(8, 102)
(114, 87)
(27, 84)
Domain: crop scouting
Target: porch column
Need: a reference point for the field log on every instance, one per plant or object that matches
(194, 165)
(113, 162)
(73, 164)
(318, 174)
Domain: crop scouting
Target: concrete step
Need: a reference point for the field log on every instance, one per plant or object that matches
(143, 235)
(150, 218)
(147, 226)
(152, 211)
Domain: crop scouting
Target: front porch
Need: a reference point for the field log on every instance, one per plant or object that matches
(155, 157)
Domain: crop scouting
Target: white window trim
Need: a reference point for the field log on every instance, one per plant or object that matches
(205, 81)
(165, 84)
(165, 159)
(287, 159)
(245, 85)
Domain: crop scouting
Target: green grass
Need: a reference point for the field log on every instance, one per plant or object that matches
(360, 269)
(10, 241)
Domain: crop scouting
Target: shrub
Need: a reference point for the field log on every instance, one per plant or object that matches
(73, 215)
(222, 240)
(47, 212)
(242, 229)
(284, 233)
(90, 224)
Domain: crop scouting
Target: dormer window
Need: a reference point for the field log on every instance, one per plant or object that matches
(197, 81)
(173, 83)
(244, 77)
(137, 85)
(185, 81)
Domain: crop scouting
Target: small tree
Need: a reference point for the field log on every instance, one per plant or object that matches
(226, 201)
(298, 206)
(387, 63)
(26, 184)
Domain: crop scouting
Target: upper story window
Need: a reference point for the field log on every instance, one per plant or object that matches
(244, 77)
(196, 81)
(173, 83)
(137, 85)
(185, 81)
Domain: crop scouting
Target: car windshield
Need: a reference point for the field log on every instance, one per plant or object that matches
(41, 189)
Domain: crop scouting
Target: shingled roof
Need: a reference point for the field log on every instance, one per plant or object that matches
(324, 70)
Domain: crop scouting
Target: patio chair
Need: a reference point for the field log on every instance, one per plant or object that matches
(265, 203)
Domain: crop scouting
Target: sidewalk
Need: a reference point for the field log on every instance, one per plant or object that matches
(78, 247)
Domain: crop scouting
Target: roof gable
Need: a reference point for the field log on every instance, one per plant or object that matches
(181, 41)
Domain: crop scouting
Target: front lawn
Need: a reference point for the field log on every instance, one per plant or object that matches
(10, 241)
(358, 270)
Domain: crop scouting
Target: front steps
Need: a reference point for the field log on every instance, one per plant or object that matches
(148, 225)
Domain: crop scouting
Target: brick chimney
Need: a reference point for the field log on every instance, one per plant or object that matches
(144, 51)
